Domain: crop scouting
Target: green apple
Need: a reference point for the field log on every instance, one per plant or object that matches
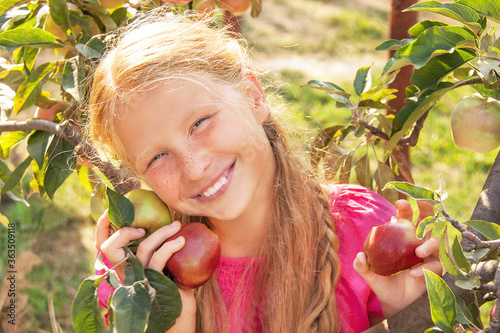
(151, 213)
(475, 123)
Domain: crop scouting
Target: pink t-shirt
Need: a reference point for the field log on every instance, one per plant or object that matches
(355, 210)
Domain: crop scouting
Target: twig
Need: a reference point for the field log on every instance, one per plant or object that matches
(123, 182)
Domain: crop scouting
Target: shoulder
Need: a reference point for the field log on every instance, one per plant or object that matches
(357, 206)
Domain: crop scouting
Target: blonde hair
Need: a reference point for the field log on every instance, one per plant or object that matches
(297, 280)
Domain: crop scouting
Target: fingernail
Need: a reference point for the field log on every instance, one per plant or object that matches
(141, 231)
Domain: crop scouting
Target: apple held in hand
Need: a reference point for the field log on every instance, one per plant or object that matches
(475, 123)
(195, 263)
(390, 247)
(151, 213)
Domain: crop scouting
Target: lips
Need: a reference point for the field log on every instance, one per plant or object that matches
(219, 186)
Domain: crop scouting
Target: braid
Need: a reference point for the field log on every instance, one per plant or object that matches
(323, 306)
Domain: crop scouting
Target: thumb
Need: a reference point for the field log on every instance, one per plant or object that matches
(361, 266)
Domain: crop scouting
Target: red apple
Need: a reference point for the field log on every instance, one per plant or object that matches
(236, 7)
(195, 263)
(390, 247)
(475, 123)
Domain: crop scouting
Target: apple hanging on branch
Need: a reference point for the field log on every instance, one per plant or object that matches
(475, 123)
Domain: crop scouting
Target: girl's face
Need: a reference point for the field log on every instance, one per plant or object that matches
(204, 156)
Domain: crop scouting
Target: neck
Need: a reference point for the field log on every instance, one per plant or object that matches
(244, 237)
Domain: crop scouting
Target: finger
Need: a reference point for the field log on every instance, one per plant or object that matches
(148, 246)
(360, 264)
(424, 210)
(102, 230)
(428, 248)
(404, 209)
(161, 256)
(433, 266)
(113, 246)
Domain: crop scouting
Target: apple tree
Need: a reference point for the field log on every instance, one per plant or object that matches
(443, 57)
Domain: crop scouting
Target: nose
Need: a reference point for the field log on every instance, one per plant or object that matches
(195, 163)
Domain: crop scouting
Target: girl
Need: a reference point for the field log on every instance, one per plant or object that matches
(179, 103)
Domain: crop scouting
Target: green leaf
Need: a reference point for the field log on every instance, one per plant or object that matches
(32, 86)
(444, 256)
(381, 177)
(425, 225)
(134, 271)
(9, 140)
(442, 301)
(59, 12)
(6, 4)
(16, 175)
(490, 230)
(432, 42)
(414, 191)
(60, 165)
(455, 11)
(113, 279)
(121, 211)
(393, 44)
(463, 314)
(488, 8)
(438, 68)
(131, 306)
(98, 201)
(73, 81)
(459, 256)
(85, 310)
(363, 80)
(369, 103)
(362, 169)
(439, 229)
(166, 307)
(412, 111)
(37, 146)
(91, 47)
(12, 39)
(331, 90)
(420, 27)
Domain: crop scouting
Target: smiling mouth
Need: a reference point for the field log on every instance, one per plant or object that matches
(219, 186)
(215, 187)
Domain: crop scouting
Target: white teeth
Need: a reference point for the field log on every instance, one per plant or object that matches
(213, 189)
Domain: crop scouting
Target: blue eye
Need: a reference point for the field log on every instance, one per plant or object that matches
(199, 122)
(158, 156)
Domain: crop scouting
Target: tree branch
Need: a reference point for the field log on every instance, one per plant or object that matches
(122, 180)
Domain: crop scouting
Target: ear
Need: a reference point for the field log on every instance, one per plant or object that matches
(255, 93)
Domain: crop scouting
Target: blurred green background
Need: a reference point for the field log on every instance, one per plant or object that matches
(292, 42)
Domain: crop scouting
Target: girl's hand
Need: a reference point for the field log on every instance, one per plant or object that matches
(153, 252)
(398, 291)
